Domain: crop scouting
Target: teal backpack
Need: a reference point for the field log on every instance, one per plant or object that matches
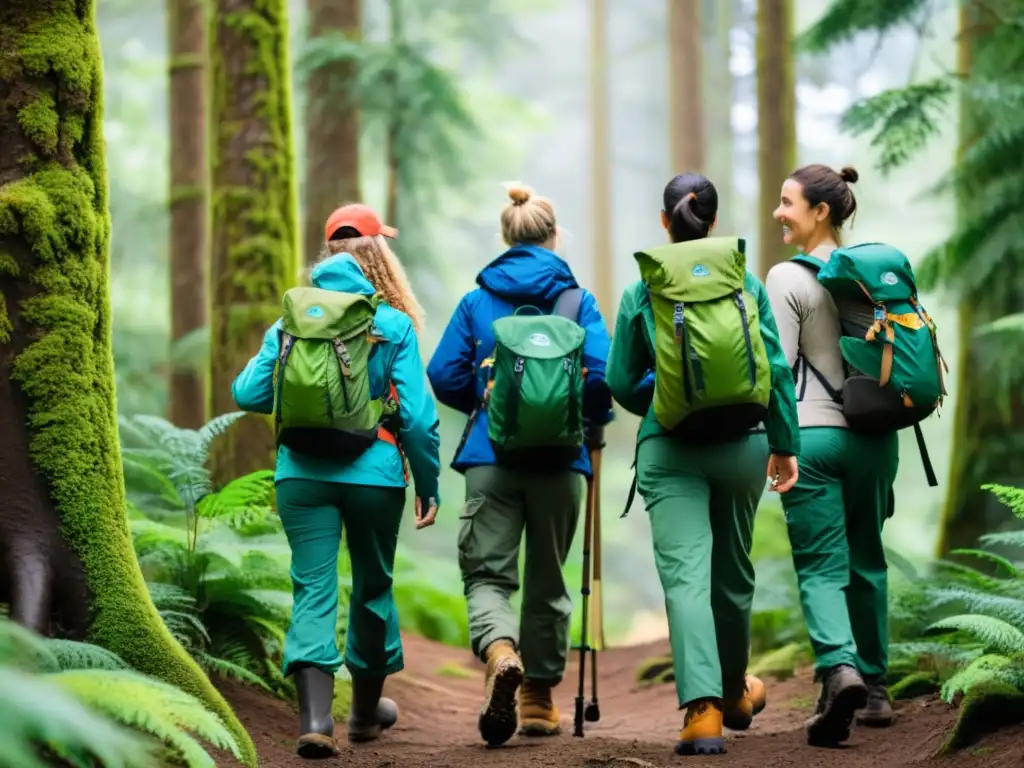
(895, 370)
(534, 395)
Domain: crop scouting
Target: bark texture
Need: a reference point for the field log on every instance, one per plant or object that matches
(687, 136)
(776, 122)
(254, 234)
(600, 184)
(332, 125)
(716, 23)
(188, 199)
(64, 535)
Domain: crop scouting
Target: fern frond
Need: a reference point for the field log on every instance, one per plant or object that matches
(50, 717)
(214, 428)
(997, 560)
(1008, 608)
(981, 670)
(71, 654)
(21, 647)
(162, 710)
(996, 634)
(1009, 496)
(844, 19)
(1003, 538)
(233, 671)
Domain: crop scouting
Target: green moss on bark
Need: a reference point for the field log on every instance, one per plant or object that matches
(54, 240)
(254, 216)
(986, 708)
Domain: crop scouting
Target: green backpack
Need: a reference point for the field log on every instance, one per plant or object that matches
(894, 366)
(534, 396)
(712, 379)
(322, 404)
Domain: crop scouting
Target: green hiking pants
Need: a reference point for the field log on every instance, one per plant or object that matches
(701, 501)
(313, 513)
(501, 505)
(835, 514)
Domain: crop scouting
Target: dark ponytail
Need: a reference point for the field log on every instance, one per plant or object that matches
(691, 204)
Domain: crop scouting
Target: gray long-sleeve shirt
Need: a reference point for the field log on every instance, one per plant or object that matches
(808, 321)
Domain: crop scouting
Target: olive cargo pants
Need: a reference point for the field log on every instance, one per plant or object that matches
(502, 504)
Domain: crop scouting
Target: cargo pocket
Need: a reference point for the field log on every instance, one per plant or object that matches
(469, 550)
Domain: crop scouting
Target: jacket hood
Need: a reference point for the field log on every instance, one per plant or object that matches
(342, 272)
(527, 272)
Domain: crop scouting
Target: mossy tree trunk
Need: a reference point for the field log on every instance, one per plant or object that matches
(601, 174)
(63, 528)
(332, 124)
(186, 27)
(717, 81)
(776, 122)
(686, 113)
(254, 232)
(988, 414)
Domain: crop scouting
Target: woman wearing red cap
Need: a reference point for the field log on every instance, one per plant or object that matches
(317, 495)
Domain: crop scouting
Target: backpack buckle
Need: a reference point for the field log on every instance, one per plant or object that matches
(520, 365)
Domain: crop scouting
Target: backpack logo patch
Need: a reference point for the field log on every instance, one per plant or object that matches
(540, 340)
(315, 311)
(699, 270)
(889, 278)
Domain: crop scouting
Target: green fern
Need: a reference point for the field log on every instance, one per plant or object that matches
(1011, 497)
(995, 634)
(35, 713)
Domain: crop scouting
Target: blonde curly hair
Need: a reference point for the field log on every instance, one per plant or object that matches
(384, 271)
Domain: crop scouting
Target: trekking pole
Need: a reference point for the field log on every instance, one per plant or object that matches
(592, 713)
(585, 592)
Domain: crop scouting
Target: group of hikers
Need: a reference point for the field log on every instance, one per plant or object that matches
(799, 384)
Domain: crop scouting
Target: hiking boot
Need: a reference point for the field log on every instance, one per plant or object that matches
(538, 715)
(842, 693)
(371, 713)
(702, 729)
(738, 714)
(315, 689)
(497, 721)
(878, 712)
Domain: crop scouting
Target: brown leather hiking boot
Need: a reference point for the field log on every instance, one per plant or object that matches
(842, 693)
(738, 714)
(702, 729)
(538, 715)
(497, 721)
(878, 712)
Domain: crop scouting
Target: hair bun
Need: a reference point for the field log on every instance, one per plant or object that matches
(519, 193)
(849, 174)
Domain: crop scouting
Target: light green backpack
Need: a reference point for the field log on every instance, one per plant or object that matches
(712, 379)
(322, 404)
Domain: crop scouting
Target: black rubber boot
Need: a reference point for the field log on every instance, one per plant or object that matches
(315, 690)
(371, 713)
(843, 692)
(878, 712)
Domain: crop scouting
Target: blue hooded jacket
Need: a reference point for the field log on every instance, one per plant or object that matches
(524, 274)
(397, 359)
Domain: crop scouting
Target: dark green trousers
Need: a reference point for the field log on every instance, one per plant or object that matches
(313, 513)
(835, 514)
(701, 501)
(501, 506)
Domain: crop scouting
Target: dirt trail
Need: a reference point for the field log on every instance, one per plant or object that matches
(439, 696)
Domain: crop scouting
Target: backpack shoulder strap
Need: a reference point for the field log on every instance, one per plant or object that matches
(568, 303)
(811, 262)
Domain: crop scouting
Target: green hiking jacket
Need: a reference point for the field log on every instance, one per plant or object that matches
(630, 371)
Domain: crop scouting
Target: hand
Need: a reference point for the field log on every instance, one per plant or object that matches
(425, 518)
(783, 472)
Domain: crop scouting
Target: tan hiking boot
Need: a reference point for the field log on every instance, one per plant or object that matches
(737, 715)
(702, 729)
(538, 715)
(497, 721)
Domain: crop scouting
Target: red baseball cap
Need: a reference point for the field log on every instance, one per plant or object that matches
(361, 218)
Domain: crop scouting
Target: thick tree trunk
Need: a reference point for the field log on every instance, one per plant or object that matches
(63, 529)
(186, 24)
(332, 125)
(686, 113)
(776, 122)
(600, 182)
(985, 414)
(718, 97)
(254, 234)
